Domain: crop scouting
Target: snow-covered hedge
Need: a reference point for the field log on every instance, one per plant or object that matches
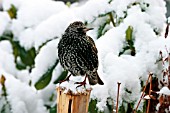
(129, 35)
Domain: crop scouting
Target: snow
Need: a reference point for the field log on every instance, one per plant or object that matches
(168, 20)
(165, 90)
(17, 28)
(127, 77)
(157, 107)
(44, 60)
(147, 97)
(6, 4)
(31, 15)
(88, 11)
(55, 28)
(120, 6)
(4, 21)
(7, 58)
(6, 46)
(24, 76)
(71, 86)
(39, 21)
(56, 19)
(157, 6)
(29, 103)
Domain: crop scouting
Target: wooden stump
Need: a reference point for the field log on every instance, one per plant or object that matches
(72, 103)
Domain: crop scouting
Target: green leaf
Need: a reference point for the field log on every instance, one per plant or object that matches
(52, 97)
(61, 77)
(112, 19)
(93, 108)
(68, 3)
(46, 43)
(102, 15)
(122, 108)
(45, 78)
(5, 108)
(53, 109)
(129, 32)
(124, 49)
(7, 35)
(20, 65)
(110, 105)
(129, 39)
(27, 56)
(110, 1)
(100, 30)
(128, 91)
(12, 11)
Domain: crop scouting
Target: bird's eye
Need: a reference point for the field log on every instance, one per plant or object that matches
(79, 29)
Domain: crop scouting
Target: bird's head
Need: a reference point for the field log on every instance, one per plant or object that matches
(78, 27)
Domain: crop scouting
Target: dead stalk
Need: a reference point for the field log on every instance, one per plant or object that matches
(117, 97)
(150, 88)
(143, 92)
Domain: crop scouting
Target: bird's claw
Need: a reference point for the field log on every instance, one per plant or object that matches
(66, 79)
(81, 84)
(61, 81)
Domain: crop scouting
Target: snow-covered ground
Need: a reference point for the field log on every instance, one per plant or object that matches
(41, 20)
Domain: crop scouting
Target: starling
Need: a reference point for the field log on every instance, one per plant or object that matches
(78, 54)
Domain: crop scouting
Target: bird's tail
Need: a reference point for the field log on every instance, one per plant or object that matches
(94, 79)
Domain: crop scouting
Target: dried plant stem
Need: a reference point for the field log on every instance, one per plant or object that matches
(143, 92)
(117, 103)
(169, 64)
(150, 88)
(161, 57)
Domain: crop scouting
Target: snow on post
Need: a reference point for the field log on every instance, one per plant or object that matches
(72, 99)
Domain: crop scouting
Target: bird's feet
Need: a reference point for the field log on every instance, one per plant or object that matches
(81, 84)
(66, 79)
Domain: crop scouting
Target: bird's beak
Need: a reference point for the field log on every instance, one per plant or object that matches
(87, 29)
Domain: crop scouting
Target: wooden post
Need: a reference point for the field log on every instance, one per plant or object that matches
(72, 103)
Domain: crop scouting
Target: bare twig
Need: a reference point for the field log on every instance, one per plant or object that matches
(117, 97)
(143, 92)
(149, 94)
(161, 57)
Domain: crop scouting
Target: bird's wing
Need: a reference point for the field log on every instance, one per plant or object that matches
(91, 41)
(88, 52)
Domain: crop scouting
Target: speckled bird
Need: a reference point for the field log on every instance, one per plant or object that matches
(78, 54)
